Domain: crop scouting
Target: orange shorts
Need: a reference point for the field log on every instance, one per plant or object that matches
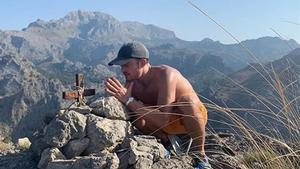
(176, 125)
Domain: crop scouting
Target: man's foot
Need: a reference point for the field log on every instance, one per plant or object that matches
(168, 152)
(203, 164)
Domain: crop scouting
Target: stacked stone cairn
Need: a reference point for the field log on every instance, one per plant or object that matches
(97, 136)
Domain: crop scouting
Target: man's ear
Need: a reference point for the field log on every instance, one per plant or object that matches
(143, 62)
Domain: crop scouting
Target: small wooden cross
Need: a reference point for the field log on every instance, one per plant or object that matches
(80, 91)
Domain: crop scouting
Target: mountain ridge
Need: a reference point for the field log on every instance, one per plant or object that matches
(86, 41)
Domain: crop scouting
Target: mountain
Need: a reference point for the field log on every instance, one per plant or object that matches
(201, 69)
(266, 95)
(85, 42)
(237, 56)
(26, 96)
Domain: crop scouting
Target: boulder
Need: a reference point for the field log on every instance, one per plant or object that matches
(58, 133)
(109, 107)
(75, 147)
(23, 143)
(82, 109)
(48, 155)
(142, 152)
(77, 123)
(106, 133)
(66, 126)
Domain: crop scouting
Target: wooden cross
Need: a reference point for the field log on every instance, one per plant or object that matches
(80, 91)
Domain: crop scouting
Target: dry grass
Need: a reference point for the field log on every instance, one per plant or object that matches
(280, 148)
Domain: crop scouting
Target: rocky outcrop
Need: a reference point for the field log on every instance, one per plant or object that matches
(79, 139)
(105, 138)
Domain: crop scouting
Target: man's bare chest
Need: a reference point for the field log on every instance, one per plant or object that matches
(147, 94)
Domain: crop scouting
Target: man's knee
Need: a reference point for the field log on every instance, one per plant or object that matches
(192, 106)
(139, 123)
(186, 99)
(187, 104)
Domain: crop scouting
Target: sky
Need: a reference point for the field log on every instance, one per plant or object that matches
(245, 19)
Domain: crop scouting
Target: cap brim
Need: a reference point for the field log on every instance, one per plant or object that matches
(118, 61)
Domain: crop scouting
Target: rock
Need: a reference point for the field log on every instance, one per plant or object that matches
(75, 147)
(109, 107)
(225, 162)
(17, 160)
(143, 163)
(143, 151)
(91, 142)
(103, 159)
(38, 145)
(77, 123)
(138, 153)
(60, 164)
(124, 155)
(23, 143)
(81, 109)
(156, 149)
(106, 133)
(70, 125)
(174, 163)
(48, 155)
(58, 133)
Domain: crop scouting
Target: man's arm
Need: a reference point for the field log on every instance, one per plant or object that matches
(167, 90)
(116, 89)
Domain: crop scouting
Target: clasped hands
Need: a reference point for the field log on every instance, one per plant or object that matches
(116, 89)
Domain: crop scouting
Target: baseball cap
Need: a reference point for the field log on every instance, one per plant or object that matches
(129, 51)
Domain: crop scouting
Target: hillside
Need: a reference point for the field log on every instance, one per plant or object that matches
(266, 95)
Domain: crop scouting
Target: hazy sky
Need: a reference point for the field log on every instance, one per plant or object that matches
(246, 19)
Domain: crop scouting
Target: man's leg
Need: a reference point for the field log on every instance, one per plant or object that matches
(152, 125)
(194, 121)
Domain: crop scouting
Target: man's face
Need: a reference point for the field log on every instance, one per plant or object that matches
(131, 70)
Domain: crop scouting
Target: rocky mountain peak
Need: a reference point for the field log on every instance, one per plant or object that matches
(85, 16)
(150, 31)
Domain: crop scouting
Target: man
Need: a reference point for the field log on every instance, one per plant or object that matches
(162, 100)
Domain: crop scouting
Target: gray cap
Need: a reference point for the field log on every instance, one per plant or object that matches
(129, 51)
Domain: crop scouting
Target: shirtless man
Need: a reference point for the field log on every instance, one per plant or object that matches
(178, 111)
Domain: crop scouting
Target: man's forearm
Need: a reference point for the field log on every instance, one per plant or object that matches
(135, 105)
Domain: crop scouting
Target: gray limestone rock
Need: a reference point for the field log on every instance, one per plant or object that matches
(58, 133)
(106, 133)
(142, 151)
(75, 147)
(81, 109)
(156, 149)
(70, 125)
(174, 163)
(77, 123)
(60, 164)
(103, 159)
(48, 155)
(109, 107)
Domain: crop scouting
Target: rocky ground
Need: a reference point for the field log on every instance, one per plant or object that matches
(101, 136)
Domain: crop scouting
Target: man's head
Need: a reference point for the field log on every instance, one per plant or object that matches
(133, 50)
(133, 59)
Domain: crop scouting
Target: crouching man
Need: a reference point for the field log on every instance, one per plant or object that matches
(163, 102)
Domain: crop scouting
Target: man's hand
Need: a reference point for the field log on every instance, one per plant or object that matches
(115, 88)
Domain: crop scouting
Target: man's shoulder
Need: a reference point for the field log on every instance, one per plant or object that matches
(166, 69)
(165, 72)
